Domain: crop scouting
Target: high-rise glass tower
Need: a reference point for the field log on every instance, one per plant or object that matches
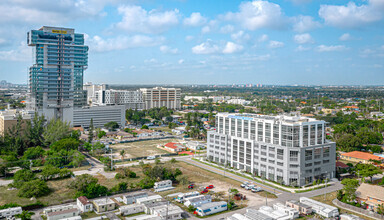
(56, 77)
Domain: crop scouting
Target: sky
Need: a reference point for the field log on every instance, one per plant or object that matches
(279, 42)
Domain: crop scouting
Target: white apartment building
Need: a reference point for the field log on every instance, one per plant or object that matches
(100, 115)
(287, 149)
(91, 90)
(160, 96)
(131, 99)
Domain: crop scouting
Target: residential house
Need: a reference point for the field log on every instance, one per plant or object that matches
(360, 157)
(169, 211)
(211, 208)
(10, 212)
(149, 199)
(322, 209)
(149, 206)
(163, 185)
(302, 208)
(104, 205)
(197, 201)
(174, 147)
(131, 209)
(371, 195)
(67, 213)
(131, 198)
(84, 204)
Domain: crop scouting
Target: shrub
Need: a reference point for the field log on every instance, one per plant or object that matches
(34, 188)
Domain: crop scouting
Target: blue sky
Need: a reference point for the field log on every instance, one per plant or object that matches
(208, 41)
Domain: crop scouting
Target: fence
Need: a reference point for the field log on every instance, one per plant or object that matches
(357, 209)
(141, 158)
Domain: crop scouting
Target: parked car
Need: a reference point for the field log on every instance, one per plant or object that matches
(204, 191)
(191, 186)
(209, 187)
(244, 184)
(256, 189)
(249, 187)
(151, 157)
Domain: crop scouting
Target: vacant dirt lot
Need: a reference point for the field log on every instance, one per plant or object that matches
(141, 148)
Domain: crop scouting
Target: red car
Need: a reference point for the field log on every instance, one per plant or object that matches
(209, 187)
(191, 186)
(204, 191)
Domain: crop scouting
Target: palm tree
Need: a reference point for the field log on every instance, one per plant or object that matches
(122, 153)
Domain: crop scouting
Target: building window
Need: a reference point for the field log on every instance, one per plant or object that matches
(294, 156)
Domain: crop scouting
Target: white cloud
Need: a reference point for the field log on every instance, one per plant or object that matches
(345, 37)
(352, 15)
(195, 20)
(382, 47)
(99, 44)
(227, 29)
(325, 48)
(301, 48)
(207, 47)
(181, 61)
(240, 36)
(22, 53)
(49, 12)
(303, 23)
(137, 19)
(257, 14)
(205, 29)
(167, 49)
(231, 47)
(263, 38)
(275, 44)
(189, 38)
(303, 38)
(211, 47)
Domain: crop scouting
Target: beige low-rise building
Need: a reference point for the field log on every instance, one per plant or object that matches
(104, 205)
(9, 118)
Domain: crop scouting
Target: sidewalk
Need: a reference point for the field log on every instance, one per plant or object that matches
(266, 182)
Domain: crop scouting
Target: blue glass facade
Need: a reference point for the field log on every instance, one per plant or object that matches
(56, 78)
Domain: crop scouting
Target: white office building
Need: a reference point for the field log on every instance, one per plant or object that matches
(131, 99)
(286, 149)
(101, 115)
(159, 97)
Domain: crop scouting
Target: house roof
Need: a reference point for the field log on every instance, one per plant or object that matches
(173, 145)
(362, 155)
(367, 190)
(341, 164)
(83, 200)
(62, 212)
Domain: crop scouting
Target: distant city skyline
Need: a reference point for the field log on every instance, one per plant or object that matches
(287, 42)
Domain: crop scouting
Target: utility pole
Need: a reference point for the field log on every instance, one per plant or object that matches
(111, 160)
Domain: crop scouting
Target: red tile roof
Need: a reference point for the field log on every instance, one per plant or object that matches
(362, 155)
(341, 164)
(83, 200)
(172, 145)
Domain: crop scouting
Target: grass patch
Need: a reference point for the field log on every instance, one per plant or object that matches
(86, 215)
(59, 194)
(266, 194)
(142, 148)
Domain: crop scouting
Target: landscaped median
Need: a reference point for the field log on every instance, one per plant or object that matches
(266, 182)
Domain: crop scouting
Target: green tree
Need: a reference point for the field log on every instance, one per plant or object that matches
(101, 134)
(34, 188)
(182, 179)
(22, 176)
(350, 186)
(144, 127)
(25, 215)
(367, 170)
(90, 131)
(122, 153)
(35, 130)
(111, 126)
(81, 182)
(56, 130)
